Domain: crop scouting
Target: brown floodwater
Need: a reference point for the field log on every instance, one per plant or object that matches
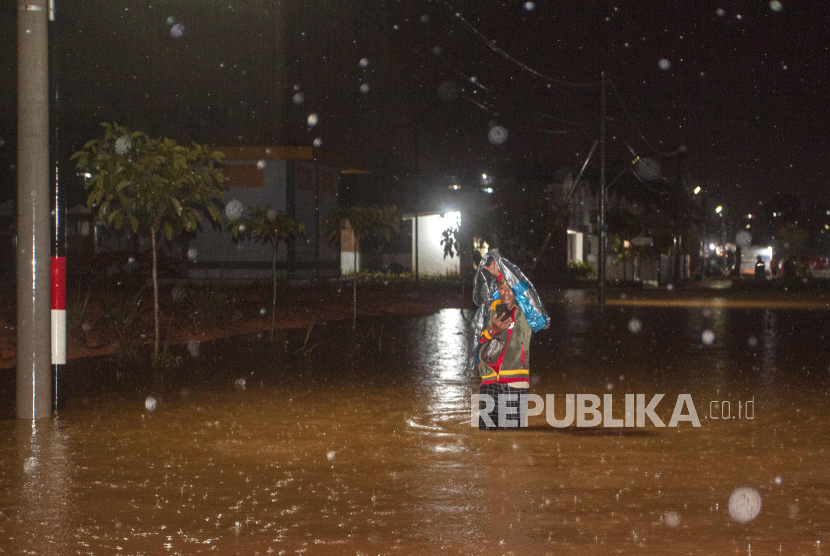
(363, 445)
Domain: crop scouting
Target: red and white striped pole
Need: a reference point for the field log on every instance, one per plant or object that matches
(58, 262)
(58, 312)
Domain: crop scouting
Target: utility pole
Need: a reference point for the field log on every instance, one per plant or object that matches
(33, 387)
(602, 198)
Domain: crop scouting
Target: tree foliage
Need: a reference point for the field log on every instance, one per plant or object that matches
(151, 183)
(154, 185)
(266, 226)
(373, 223)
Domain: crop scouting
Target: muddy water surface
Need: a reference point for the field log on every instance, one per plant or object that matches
(364, 445)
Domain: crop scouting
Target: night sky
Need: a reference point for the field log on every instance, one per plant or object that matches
(410, 87)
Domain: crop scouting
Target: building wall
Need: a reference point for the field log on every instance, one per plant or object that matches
(430, 251)
(290, 186)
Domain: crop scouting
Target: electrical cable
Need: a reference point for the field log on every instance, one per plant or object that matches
(490, 44)
(628, 117)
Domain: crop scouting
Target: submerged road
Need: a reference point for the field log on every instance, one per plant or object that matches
(363, 444)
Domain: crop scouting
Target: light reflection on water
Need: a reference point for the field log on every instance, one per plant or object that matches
(365, 447)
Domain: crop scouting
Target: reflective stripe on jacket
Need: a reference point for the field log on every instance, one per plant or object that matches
(515, 363)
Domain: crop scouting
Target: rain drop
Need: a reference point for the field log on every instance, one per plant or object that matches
(634, 326)
(263, 311)
(777, 480)
(193, 348)
(171, 20)
(312, 119)
(364, 62)
(239, 383)
(123, 145)
(744, 504)
(330, 455)
(721, 12)
(317, 142)
(177, 30)
(664, 64)
(177, 293)
(708, 337)
(776, 6)
(192, 253)
(151, 404)
(497, 135)
(298, 98)
(425, 18)
(448, 91)
(234, 209)
(672, 519)
(30, 465)
(260, 165)
(530, 6)
(752, 341)
(364, 88)
(743, 238)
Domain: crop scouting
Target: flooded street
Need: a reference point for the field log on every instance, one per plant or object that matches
(365, 446)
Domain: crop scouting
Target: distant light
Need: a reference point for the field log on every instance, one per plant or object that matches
(488, 189)
(826, 227)
(747, 226)
(87, 175)
(455, 186)
(719, 209)
(484, 176)
(711, 247)
(697, 190)
(828, 213)
(774, 214)
(749, 216)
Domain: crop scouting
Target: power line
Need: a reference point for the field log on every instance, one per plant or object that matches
(640, 133)
(490, 44)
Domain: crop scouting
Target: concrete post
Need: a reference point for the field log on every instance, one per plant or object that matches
(34, 372)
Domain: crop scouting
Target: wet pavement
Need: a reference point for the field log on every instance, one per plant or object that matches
(362, 444)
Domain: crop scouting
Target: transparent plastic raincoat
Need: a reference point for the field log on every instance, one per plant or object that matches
(485, 291)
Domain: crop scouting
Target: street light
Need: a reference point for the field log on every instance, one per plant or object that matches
(719, 209)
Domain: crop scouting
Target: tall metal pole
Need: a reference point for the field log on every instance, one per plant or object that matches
(602, 199)
(34, 399)
(58, 265)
